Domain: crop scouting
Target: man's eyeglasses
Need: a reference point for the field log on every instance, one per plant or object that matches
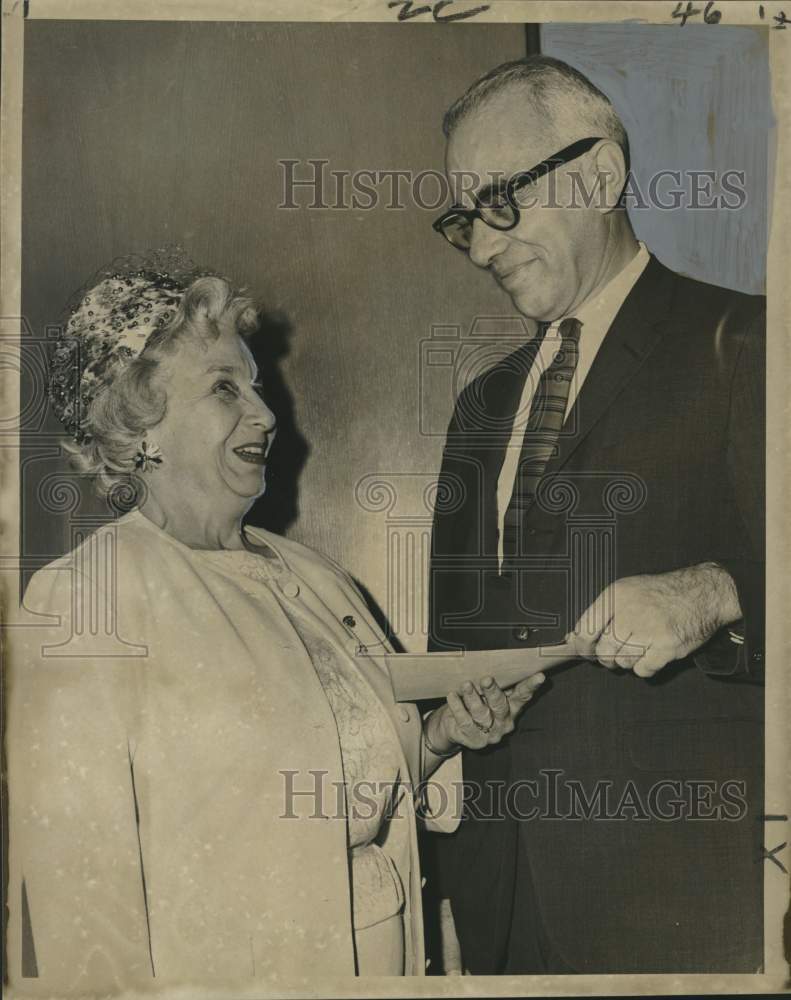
(496, 204)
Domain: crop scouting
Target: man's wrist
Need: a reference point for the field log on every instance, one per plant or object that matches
(726, 608)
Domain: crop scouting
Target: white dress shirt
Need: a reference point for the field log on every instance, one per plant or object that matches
(595, 316)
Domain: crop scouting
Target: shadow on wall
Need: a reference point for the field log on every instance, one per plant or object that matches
(278, 508)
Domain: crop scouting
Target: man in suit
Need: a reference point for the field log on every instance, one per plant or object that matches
(604, 483)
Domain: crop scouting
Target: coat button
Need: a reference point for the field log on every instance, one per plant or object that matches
(290, 588)
(349, 621)
(522, 633)
(404, 714)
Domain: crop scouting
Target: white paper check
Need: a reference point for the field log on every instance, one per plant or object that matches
(432, 675)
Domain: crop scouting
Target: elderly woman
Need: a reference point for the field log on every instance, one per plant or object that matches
(210, 783)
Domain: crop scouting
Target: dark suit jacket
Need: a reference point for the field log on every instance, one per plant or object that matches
(660, 465)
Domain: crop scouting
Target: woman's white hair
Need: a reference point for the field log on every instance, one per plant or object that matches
(135, 401)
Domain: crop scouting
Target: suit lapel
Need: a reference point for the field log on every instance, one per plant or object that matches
(635, 332)
(501, 394)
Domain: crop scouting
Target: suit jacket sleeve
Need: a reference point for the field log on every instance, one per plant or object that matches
(737, 652)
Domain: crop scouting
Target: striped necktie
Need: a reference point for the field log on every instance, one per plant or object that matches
(547, 413)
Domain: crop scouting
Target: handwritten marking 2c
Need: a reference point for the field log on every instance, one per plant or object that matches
(408, 12)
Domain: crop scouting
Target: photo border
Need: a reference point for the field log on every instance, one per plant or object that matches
(777, 922)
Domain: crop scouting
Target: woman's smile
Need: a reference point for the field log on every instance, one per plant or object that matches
(254, 452)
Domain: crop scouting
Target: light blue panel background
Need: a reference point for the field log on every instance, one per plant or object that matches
(691, 98)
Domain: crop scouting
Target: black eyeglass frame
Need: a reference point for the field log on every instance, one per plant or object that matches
(519, 180)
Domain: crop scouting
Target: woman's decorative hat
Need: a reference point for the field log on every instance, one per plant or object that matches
(110, 324)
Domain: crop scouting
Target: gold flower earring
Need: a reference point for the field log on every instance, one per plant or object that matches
(147, 457)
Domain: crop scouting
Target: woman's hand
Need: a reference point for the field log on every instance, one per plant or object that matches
(476, 718)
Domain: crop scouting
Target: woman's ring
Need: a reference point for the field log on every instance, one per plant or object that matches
(484, 729)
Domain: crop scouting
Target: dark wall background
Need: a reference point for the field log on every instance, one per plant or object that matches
(138, 134)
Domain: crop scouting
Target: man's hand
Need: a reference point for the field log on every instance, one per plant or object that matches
(641, 623)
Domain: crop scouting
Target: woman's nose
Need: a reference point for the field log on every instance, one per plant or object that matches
(262, 416)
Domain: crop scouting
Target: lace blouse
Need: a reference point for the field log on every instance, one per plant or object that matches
(369, 752)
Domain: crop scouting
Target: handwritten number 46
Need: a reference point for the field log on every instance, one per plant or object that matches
(709, 16)
(715, 16)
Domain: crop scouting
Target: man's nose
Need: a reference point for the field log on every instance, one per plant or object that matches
(486, 243)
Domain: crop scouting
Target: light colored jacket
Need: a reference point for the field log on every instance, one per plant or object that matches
(162, 714)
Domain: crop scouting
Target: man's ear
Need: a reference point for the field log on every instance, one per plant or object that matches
(610, 171)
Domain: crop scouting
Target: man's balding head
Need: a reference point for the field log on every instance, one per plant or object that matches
(564, 103)
(565, 246)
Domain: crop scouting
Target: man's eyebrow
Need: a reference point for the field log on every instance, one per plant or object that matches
(476, 195)
(483, 193)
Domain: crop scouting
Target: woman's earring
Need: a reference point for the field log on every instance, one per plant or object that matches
(147, 457)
